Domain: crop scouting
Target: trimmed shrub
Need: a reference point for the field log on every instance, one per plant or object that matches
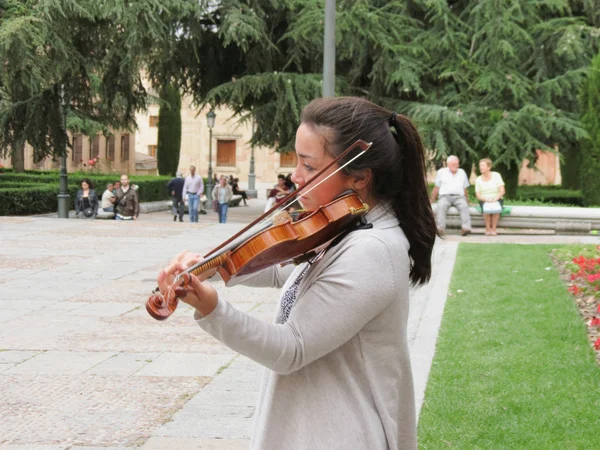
(22, 194)
(31, 200)
(551, 194)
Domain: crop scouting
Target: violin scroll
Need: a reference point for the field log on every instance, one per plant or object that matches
(158, 307)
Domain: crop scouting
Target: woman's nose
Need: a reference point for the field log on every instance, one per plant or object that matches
(296, 178)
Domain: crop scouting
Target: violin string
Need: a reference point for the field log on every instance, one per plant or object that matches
(314, 187)
(230, 246)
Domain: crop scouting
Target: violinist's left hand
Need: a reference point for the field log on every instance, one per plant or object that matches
(196, 292)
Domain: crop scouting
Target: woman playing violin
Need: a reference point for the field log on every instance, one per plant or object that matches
(338, 372)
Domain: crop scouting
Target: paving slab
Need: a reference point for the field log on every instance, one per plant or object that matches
(185, 365)
(16, 356)
(123, 364)
(34, 447)
(104, 309)
(163, 443)
(61, 363)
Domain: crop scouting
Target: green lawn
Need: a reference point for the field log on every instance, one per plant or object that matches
(513, 367)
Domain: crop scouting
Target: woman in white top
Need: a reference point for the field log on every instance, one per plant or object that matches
(489, 188)
(222, 194)
(338, 371)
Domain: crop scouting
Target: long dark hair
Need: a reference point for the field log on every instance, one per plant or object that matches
(396, 161)
(88, 181)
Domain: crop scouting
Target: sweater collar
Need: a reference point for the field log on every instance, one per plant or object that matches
(382, 216)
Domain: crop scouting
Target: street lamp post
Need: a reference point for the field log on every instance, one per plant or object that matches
(251, 192)
(329, 50)
(210, 121)
(64, 199)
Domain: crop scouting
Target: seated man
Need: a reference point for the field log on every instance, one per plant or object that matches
(451, 185)
(108, 199)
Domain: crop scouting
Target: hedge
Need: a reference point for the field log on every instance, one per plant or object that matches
(36, 193)
(552, 194)
(31, 200)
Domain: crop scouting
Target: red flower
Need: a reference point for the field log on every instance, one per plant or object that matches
(597, 344)
(595, 322)
(598, 309)
(574, 290)
(594, 277)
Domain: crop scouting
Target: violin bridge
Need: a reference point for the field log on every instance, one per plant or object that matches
(355, 211)
(281, 217)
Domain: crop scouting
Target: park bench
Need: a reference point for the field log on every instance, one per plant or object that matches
(556, 218)
(166, 206)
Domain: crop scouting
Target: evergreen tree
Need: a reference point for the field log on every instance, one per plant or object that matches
(590, 155)
(481, 79)
(93, 50)
(169, 131)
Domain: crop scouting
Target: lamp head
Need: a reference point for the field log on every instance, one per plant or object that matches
(210, 118)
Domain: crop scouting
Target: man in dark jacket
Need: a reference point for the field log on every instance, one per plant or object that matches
(175, 186)
(127, 202)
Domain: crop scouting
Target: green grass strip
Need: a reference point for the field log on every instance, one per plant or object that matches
(513, 368)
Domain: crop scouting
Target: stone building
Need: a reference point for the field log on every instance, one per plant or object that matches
(230, 152)
(115, 153)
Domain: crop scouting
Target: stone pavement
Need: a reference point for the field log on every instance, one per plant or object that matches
(83, 366)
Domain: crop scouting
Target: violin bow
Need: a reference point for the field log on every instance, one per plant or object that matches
(362, 145)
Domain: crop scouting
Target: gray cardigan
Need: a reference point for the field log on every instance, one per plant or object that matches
(338, 371)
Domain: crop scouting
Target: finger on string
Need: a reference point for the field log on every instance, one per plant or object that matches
(191, 259)
(180, 256)
(197, 286)
(206, 275)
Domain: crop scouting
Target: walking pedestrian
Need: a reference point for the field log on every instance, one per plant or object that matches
(175, 186)
(222, 194)
(193, 188)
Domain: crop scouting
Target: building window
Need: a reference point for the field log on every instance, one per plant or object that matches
(153, 121)
(225, 152)
(110, 148)
(287, 159)
(95, 147)
(152, 150)
(78, 148)
(125, 147)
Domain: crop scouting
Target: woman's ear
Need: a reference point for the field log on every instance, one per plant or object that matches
(361, 180)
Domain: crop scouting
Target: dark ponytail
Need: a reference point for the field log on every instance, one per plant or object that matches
(396, 161)
(412, 207)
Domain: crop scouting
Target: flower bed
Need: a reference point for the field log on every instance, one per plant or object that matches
(580, 267)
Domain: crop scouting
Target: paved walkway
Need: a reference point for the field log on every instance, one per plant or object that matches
(83, 366)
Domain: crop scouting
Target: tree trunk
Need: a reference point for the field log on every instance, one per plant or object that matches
(510, 175)
(17, 158)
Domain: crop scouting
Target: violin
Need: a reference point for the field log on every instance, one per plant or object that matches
(279, 241)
